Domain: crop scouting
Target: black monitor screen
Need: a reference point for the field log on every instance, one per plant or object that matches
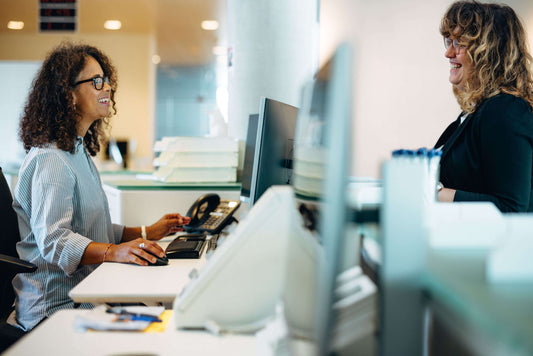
(249, 152)
(274, 147)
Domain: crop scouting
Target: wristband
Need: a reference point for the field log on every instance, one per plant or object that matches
(106, 250)
(143, 232)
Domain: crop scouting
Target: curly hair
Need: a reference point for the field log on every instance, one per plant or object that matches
(496, 42)
(49, 114)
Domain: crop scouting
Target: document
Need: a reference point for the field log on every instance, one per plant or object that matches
(134, 318)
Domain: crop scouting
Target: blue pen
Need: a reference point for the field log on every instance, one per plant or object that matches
(126, 315)
(139, 317)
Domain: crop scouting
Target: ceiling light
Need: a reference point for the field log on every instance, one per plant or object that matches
(15, 25)
(219, 51)
(209, 25)
(112, 25)
(156, 59)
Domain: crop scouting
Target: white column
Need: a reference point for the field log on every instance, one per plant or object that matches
(273, 48)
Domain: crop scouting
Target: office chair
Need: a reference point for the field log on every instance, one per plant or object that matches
(10, 264)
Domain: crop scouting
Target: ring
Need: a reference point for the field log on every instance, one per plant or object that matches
(141, 245)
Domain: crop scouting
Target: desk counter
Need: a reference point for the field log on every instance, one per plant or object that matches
(57, 336)
(126, 283)
(134, 202)
(493, 319)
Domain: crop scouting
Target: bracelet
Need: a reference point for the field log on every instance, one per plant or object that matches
(106, 250)
(143, 232)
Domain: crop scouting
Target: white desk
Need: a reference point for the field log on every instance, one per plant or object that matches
(143, 202)
(125, 283)
(56, 336)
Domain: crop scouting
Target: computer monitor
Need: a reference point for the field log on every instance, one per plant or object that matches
(321, 171)
(273, 148)
(249, 152)
(279, 255)
(333, 217)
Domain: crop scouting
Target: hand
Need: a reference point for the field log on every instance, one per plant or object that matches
(168, 224)
(137, 251)
(446, 195)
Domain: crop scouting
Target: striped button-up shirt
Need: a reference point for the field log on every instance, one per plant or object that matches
(61, 208)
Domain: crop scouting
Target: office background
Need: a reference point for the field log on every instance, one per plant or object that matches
(402, 97)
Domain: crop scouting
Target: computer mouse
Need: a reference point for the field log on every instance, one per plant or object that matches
(160, 261)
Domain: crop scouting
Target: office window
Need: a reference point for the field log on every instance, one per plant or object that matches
(184, 98)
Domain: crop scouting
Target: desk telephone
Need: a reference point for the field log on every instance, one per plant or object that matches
(211, 214)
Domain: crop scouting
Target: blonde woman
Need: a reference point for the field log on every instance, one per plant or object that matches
(487, 153)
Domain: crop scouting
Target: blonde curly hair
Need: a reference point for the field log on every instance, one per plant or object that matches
(495, 41)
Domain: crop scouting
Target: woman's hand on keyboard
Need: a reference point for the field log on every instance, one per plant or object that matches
(168, 224)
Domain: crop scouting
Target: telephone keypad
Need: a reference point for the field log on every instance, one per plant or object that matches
(218, 218)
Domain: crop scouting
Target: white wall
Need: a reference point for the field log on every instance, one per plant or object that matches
(275, 49)
(402, 97)
(130, 53)
(16, 81)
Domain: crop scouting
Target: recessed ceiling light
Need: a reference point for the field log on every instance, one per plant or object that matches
(219, 51)
(209, 25)
(15, 25)
(112, 25)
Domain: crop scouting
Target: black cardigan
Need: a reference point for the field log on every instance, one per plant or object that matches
(490, 156)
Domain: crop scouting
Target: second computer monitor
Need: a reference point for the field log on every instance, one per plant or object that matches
(274, 148)
(249, 153)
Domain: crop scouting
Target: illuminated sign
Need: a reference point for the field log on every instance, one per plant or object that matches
(57, 15)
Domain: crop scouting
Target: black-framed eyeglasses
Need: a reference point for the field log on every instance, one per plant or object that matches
(98, 82)
(454, 42)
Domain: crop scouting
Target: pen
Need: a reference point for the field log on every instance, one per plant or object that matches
(138, 317)
(126, 315)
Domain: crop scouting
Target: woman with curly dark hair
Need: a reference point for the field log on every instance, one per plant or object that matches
(64, 219)
(487, 153)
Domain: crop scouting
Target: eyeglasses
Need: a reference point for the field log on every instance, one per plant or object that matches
(98, 82)
(454, 43)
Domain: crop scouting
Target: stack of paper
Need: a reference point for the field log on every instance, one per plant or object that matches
(309, 170)
(355, 307)
(196, 159)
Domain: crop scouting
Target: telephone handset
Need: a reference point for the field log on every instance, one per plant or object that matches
(211, 214)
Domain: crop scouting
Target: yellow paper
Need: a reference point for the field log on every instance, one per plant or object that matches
(160, 327)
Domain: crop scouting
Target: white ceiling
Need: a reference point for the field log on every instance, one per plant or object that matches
(176, 23)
